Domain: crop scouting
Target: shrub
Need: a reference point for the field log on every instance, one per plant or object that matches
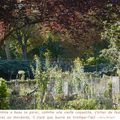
(82, 104)
(3, 94)
(105, 103)
(108, 92)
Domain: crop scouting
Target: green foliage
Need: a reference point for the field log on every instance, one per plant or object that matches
(95, 57)
(78, 76)
(90, 60)
(108, 92)
(58, 86)
(96, 60)
(53, 46)
(3, 94)
(47, 55)
(118, 72)
(57, 76)
(105, 103)
(82, 104)
(2, 54)
(112, 33)
(41, 78)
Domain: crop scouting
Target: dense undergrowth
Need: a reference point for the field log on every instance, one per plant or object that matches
(53, 88)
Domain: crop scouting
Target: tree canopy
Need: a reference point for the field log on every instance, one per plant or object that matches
(79, 22)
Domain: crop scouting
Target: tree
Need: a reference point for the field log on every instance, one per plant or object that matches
(53, 46)
(16, 14)
(80, 20)
(23, 36)
(112, 34)
(7, 49)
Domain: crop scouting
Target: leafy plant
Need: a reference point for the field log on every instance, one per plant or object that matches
(112, 33)
(78, 76)
(4, 94)
(108, 92)
(82, 104)
(42, 78)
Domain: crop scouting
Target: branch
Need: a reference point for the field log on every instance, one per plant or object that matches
(19, 28)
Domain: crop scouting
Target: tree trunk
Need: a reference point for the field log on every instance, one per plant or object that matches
(7, 49)
(24, 52)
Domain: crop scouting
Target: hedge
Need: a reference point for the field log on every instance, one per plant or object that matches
(9, 69)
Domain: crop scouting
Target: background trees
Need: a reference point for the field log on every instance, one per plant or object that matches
(78, 23)
(112, 33)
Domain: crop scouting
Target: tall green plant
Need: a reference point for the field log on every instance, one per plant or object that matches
(108, 92)
(3, 94)
(78, 76)
(42, 78)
